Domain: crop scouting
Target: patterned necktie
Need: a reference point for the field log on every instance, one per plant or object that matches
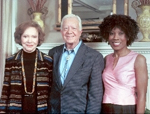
(66, 67)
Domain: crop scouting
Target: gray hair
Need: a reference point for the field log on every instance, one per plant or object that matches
(71, 16)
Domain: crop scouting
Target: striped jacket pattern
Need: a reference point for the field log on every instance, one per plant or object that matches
(11, 99)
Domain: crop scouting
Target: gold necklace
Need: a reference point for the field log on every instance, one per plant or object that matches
(34, 74)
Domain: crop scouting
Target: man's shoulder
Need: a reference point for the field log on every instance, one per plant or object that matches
(57, 48)
(91, 50)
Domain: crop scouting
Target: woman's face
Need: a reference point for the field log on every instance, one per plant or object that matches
(117, 39)
(29, 39)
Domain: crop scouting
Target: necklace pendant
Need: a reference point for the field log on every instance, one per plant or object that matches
(28, 95)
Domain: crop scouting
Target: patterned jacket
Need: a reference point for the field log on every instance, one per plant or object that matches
(11, 99)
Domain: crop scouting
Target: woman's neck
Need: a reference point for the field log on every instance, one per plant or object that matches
(29, 55)
(121, 53)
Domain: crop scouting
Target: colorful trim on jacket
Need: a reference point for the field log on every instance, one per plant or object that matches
(11, 99)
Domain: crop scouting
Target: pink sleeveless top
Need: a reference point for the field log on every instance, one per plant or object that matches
(120, 82)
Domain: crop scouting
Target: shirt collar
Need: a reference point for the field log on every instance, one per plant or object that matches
(75, 49)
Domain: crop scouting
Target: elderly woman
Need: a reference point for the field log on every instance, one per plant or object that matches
(125, 75)
(28, 74)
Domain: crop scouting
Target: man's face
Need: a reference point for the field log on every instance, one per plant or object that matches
(70, 31)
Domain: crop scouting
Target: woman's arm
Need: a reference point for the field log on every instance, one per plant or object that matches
(141, 74)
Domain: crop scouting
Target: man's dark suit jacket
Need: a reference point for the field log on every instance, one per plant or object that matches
(82, 90)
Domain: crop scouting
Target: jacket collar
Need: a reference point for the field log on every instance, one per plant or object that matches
(18, 55)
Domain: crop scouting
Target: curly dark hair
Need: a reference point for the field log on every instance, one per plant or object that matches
(23, 26)
(125, 23)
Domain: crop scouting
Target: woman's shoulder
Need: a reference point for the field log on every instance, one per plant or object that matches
(47, 57)
(140, 61)
(14, 57)
(140, 58)
(10, 58)
(109, 55)
(44, 56)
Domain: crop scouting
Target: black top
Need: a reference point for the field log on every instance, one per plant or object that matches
(29, 101)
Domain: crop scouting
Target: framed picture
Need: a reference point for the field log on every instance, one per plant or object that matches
(91, 13)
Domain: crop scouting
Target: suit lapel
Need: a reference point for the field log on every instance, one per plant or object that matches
(78, 61)
(57, 57)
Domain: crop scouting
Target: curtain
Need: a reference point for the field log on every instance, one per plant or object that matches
(7, 27)
(1, 57)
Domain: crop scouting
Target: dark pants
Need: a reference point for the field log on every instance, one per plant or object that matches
(118, 109)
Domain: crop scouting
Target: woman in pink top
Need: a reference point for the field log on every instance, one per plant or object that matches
(125, 75)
